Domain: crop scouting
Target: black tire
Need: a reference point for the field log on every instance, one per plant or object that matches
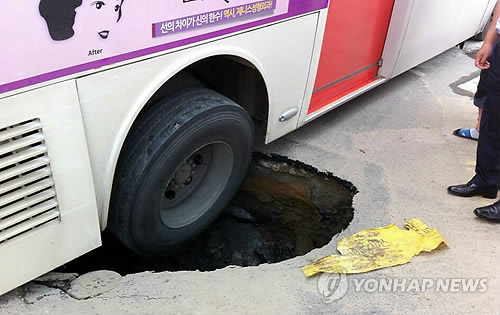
(195, 146)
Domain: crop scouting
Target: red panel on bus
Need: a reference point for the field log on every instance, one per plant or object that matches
(354, 40)
(324, 97)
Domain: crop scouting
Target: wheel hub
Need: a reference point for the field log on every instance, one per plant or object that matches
(177, 188)
(183, 174)
(196, 184)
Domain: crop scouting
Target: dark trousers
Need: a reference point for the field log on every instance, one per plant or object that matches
(482, 89)
(488, 149)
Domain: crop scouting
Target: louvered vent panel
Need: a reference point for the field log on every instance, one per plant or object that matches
(27, 193)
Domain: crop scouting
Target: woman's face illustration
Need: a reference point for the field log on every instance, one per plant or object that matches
(99, 16)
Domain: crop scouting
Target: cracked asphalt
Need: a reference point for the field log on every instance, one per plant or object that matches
(395, 144)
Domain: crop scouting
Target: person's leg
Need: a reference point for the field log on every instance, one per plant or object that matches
(487, 178)
(481, 95)
(488, 149)
(479, 100)
(479, 116)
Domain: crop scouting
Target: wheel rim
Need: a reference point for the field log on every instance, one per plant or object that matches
(196, 184)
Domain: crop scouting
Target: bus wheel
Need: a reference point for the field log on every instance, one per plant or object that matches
(179, 168)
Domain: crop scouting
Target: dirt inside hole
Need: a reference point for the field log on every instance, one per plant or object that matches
(283, 209)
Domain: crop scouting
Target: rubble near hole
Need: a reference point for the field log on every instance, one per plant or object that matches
(283, 209)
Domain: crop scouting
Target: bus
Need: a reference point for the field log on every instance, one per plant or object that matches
(140, 116)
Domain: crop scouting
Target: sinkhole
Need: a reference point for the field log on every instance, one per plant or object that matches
(283, 209)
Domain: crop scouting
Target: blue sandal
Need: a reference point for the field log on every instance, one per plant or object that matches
(467, 133)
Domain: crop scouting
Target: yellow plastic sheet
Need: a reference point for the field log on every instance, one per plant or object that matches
(377, 248)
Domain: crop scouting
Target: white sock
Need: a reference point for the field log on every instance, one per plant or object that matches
(474, 133)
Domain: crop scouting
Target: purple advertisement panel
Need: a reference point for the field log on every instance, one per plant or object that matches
(46, 39)
(213, 17)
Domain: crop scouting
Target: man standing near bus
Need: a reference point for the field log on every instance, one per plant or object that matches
(487, 179)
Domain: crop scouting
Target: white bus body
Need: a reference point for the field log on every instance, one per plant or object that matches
(70, 100)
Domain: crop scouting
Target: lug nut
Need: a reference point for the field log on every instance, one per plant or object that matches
(170, 194)
(198, 159)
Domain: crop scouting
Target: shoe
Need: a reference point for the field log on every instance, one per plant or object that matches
(471, 189)
(490, 213)
(466, 133)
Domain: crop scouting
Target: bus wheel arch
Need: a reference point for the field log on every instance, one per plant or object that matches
(233, 80)
(237, 78)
